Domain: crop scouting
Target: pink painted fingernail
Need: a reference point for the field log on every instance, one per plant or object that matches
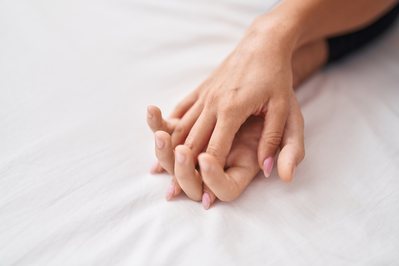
(149, 115)
(180, 157)
(268, 166)
(170, 192)
(206, 200)
(159, 143)
(154, 167)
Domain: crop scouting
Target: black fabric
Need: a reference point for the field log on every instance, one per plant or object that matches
(343, 45)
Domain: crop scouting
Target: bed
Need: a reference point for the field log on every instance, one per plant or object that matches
(75, 150)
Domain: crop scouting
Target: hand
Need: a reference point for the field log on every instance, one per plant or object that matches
(241, 163)
(256, 79)
(305, 61)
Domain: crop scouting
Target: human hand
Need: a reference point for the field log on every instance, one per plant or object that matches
(256, 79)
(305, 61)
(241, 163)
(165, 153)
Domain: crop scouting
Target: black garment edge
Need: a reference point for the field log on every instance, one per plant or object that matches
(343, 45)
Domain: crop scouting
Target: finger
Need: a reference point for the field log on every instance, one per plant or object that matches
(228, 185)
(156, 168)
(185, 105)
(271, 135)
(208, 197)
(188, 177)
(173, 190)
(164, 151)
(156, 122)
(222, 138)
(166, 157)
(185, 124)
(200, 133)
(292, 146)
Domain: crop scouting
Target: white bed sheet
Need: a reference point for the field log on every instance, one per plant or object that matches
(75, 151)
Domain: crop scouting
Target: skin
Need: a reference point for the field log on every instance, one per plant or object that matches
(241, 164)
(256, 79)
(242, 158)
(304, 21)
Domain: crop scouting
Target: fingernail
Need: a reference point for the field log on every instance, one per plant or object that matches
(149, 115)
(206, 200)
(170, 192)
(180, 157)
(159, 142)
(268, 166)
(154, 167)
(293, 172)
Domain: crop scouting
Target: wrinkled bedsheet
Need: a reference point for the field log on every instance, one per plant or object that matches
(75, 150)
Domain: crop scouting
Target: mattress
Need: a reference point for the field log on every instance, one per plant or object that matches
(75, 150)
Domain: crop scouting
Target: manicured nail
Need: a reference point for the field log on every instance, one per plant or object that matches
(159, 142)
(170, 192)
(268, 166)
(180, 157)
(149, 115)
(206, 200)
(154, 167)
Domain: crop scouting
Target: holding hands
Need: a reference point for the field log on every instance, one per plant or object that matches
(232, 125)
(228, 182)
(255, 79)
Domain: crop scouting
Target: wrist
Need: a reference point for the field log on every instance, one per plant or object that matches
(274, 29)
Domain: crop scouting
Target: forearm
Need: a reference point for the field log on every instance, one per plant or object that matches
(307, 60)
(305, 21)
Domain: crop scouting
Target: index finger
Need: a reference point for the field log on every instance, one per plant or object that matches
(228, 185)
(156, 122)
(222, 138)
(201, 132)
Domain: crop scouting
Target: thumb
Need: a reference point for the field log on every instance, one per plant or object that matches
(271, 136)
(292, 145)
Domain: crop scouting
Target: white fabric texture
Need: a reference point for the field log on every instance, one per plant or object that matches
(75, 150)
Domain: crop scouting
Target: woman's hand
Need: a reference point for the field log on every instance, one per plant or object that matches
(305, 61)
(256, 79)
(241, 163)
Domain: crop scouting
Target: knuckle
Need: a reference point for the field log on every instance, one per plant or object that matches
(273, 139)
(181, 105)
(212, 151)
(180, 129)
(282, 104)
(201, 104)
(211, 99)
(227, 110)
(189, 142)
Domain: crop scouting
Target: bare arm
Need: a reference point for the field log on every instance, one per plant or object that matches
(256, 78)
(305, 21)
